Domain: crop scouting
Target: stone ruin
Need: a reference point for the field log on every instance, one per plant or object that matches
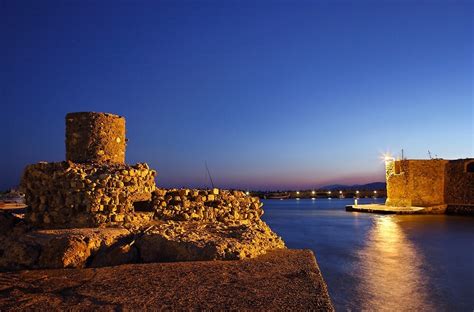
(94, 186)
(95, 210)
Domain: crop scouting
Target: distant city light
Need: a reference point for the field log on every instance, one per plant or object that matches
(375, 192)
(357, 192)
(340, 192)
(247, 193)
(313, 192)
(297, 192)
(329, 192)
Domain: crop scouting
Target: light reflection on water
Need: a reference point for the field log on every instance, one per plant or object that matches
(389, 264)
(382, 262)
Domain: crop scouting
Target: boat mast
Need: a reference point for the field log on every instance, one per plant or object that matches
(209, 173)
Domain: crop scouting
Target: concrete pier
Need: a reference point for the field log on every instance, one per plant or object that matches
(384, 209)
(283, 280)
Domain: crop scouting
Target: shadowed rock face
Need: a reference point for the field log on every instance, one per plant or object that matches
(60, 248)
(189, 241)
(160, 241)
(286, 280)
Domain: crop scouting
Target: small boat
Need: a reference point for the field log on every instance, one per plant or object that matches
(278, 196)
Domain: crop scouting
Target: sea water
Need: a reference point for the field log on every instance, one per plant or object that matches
(382, 262)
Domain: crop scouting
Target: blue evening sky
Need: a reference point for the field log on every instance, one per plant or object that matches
(277, 94)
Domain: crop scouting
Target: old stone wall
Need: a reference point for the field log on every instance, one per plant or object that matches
(67, 194)
(459, 186)
(399, 184)
(428, 182)
(95, 137)
(415, 182)
(205, 205)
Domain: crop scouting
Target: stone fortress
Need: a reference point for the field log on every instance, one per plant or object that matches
(95, 210)
(438, 185)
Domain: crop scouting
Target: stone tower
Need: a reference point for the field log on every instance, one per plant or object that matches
(94, 186)
(95, 137)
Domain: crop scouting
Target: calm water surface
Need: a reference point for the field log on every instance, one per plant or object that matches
(382, 262)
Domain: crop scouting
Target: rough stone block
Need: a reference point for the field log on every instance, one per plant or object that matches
(224, 207)
(192, 241)
(67, 194)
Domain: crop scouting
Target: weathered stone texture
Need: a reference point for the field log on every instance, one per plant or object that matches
(95, 137)
(67, 194)
(195, 240)
(284, 280)
(434, 183)
(26, 248)
(62, 248)
(205, 205)
(399, 184)
(459, 186)
(415, 183)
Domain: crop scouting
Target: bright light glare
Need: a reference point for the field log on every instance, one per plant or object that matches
(386, 157)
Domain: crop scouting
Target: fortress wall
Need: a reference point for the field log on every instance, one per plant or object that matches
(70, 195)
(95, 137)
(428, 182)
(415, 182)
(459, 187)
(399, 184)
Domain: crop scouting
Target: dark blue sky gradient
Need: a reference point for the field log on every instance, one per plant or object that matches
(272, 94)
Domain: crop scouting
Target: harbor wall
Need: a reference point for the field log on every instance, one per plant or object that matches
(415, 182)
(429, 183)
(459, 187)
(399, 184)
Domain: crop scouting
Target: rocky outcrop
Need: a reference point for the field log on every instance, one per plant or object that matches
(194, 240)
(160, 241)
(60, 248)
